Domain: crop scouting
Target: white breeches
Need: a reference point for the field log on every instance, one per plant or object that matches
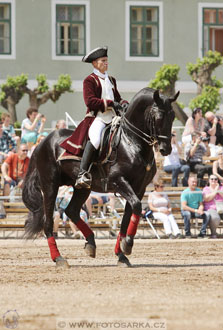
(95, 132)
(168, 221)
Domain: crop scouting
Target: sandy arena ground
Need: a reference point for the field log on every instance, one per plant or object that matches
(173, 284)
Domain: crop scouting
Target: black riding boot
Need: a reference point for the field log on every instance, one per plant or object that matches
(84, 177)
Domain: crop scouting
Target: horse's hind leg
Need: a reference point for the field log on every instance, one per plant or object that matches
(73, 212)
(49, 198)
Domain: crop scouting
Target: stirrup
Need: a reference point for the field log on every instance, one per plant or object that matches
(83, 180)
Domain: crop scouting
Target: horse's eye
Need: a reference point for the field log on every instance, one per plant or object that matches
(159, 117)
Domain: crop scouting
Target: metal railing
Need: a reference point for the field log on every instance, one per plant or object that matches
(70, 119)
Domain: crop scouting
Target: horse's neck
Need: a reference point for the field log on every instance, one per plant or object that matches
(137, 119)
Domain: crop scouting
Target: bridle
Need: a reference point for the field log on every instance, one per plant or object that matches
(149, 139)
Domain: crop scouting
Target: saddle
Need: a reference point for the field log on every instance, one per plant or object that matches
(110, 138)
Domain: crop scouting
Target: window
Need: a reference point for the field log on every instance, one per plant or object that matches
(211, 27)
(144, 31)
(5, 28)
(70, 29)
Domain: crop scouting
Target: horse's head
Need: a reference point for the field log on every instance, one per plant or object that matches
(163, 115)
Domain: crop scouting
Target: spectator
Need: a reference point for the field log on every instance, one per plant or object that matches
(7, 126)
(218, 166)
(211, 195)
(60, 124)
(63, 199)
(100, 200)
(95, 199)
(195, 123)
(40, 138)
(7, 144)
(160, 206)
(172, 163)
(32, 126)
(14, 169)
(194, 153)
(192, 207)
(214, 128)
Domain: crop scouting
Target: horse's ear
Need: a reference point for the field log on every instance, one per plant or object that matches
(157, 98)
(172, 99)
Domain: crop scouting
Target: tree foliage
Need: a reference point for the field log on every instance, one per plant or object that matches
(208, 97)
(208, 100)
(15, 87)
(11, 93)
(201, 71)
(165, 79)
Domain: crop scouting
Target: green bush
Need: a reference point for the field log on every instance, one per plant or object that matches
(165, 78)
(208, 100)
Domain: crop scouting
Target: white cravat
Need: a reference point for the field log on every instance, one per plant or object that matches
(108, 84)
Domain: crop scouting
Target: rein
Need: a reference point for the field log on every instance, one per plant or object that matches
(150, 140)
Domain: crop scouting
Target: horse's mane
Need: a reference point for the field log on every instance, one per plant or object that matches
(141, 100)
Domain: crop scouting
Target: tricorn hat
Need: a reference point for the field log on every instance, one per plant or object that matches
(94, 54)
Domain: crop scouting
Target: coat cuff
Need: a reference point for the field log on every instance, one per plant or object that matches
(124, 102)
(107, 104)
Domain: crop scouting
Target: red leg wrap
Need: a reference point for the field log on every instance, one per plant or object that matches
(84, 228)
(132, 228)
(53, 248)
(117, 246)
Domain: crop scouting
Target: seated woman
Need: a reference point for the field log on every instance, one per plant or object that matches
(172, 163)
(195, 123)
(160, 206)
(32, 126)
(218, 166)
(211, 194)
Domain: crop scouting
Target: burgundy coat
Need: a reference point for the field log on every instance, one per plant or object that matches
(92, 97)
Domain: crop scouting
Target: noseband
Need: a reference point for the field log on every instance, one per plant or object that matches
(162, 137)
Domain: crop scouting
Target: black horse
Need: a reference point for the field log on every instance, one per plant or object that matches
(148, 121)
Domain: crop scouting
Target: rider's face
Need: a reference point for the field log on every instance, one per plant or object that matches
(101, 64)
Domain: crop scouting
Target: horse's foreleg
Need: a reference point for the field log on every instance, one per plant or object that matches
(123, 229)
(130, 219)
(90, 246)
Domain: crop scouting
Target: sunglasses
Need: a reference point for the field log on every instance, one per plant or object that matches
(25, 150)
(159, 186)
(215, 179)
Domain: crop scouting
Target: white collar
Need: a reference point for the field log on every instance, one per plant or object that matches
(101, 75)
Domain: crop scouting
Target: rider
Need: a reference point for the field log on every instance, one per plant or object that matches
(101, 97)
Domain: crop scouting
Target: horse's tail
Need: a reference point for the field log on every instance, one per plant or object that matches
(33, 200)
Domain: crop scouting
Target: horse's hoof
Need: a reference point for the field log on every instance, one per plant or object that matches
(126, 245)
(90, 250)
(123, 261)
(61, 262)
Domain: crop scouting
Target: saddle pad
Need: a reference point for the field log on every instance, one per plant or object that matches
(66, 156)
